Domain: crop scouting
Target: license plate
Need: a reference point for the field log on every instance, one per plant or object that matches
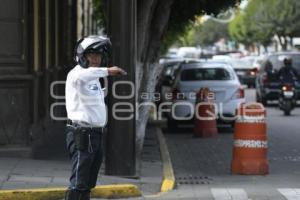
(288, 93)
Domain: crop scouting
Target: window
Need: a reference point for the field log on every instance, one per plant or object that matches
(169, 69)
(205, 74)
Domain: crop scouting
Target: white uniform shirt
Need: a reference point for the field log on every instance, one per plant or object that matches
(84, 96)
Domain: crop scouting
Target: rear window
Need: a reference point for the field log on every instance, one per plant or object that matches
(206, 74)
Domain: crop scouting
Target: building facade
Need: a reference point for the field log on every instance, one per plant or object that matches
(38, 37)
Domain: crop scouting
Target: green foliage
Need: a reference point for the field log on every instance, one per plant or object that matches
(258, 34)
(237, 30)
(184, 12)
(262, 19)
(182, 15)
(205, 33)
(188, 38)
(99, 13)
(210, 32)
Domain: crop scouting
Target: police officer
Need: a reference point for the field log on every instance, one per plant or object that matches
(86, 113)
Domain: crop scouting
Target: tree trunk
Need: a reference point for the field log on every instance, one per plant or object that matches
(285, 43)
(153, 17)
(265, 48)
(291, 42)
(257, 48)
(280, 40)
(276, 45)
(152, 69)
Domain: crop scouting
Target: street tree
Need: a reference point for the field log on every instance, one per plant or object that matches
(239, 32)
(244, 29)
(188, 38)
(159, 24)
(280, 16)
(259, 36)
(210, 32)
(261, 20)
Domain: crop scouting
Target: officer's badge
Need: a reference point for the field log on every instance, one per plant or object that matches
(93, 87)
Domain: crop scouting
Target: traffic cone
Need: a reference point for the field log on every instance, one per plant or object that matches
(249, 156)
(205, 124)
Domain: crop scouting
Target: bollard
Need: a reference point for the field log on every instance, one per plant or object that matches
(249, 156)
(205, 124)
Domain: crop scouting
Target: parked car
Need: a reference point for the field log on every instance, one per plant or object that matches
(267, 82)
(167, 77)
(245, 71)
(219, 77)
(258, 61)
(255, 61)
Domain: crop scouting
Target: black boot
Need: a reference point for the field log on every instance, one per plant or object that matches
(72, 195)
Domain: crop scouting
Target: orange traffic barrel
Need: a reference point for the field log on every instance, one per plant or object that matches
(205, 124)
(249, 156)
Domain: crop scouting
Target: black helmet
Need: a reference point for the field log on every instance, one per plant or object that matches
(287, 61)
(92, 44)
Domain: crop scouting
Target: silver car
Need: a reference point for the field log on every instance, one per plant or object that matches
(219, 77)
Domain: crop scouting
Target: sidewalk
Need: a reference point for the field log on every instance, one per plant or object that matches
(20, 173)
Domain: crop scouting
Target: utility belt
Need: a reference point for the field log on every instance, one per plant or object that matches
(83, 135)
(84, 126)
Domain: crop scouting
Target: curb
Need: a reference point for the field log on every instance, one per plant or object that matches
(105, 191)
(168, 182)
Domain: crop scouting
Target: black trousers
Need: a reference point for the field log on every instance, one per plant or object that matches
(85, 162)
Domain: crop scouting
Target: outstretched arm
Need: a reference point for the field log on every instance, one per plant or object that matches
(113, 71)
(92, 73)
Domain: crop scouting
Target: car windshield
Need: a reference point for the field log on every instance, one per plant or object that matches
(205, 74)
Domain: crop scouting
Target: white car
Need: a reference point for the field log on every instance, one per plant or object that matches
(219, 77)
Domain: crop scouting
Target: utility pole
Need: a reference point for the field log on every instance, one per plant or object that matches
(120, 145)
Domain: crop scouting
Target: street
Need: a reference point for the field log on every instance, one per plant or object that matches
(202, 165)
